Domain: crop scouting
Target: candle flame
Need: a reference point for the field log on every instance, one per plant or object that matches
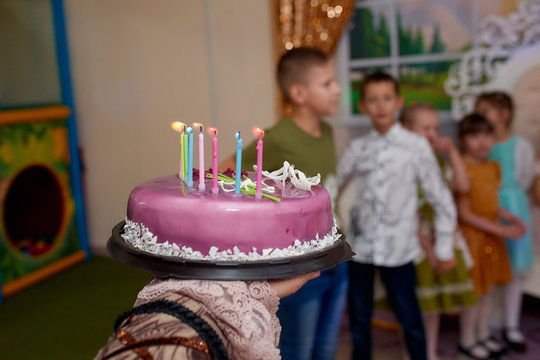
(178, 126)
(258, 132)
(197, 125)
(237, 134)
(212, 131)
(189, 130)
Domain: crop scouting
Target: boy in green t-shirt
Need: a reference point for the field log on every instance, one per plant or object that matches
(310, 318)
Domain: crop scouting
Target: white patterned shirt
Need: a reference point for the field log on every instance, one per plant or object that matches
(383, 221)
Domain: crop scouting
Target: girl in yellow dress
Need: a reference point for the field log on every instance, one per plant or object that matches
(484, 225)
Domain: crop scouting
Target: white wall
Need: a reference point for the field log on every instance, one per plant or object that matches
(138, 65)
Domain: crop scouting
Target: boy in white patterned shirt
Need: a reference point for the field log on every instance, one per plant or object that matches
(388, 165)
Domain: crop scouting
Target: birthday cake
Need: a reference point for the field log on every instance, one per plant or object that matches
(294, 217)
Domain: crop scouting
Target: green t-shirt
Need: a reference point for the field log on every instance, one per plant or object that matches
(285, 141)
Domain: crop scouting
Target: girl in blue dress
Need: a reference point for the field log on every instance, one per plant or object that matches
(515, 156)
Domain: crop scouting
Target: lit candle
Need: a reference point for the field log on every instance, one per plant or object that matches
(179, 127)
(185, 153)
(238, 163)
(202, 186)
(213, 131)
(189, 130)
(258, 132)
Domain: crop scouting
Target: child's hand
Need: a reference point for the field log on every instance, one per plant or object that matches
(444, 145)
(433, 261)
(513, 231)
(445, 266)
(521, 224)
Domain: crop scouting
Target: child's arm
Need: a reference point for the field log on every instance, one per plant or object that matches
(427, 245)
(438, 195)
(466, 215)
(460, 181)
(524, 163)
(507, 216)
(437, 265)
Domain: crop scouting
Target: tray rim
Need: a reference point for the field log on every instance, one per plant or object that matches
(174, 266)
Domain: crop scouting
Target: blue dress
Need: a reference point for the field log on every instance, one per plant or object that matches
(512, 197)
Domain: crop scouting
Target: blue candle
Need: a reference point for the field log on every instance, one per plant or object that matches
(189, 130)
(238, 162)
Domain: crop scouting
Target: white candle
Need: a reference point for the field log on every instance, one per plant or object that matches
(202, 185)
(213, 131)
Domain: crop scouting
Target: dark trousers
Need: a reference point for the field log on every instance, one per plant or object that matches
(400, 287)
(311, 317)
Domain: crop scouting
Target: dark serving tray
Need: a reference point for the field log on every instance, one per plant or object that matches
(277, 268)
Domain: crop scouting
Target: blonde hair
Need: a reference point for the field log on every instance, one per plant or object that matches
(406, 117)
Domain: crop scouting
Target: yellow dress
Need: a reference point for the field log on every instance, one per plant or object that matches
(491, 264)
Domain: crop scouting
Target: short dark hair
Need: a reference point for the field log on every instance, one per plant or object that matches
(377, 77)
(499, 99)
(294, 65)
(473, 124)
(406, 117)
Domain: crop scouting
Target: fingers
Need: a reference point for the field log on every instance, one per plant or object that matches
(445, 266)
(440, 144)
(286, 287)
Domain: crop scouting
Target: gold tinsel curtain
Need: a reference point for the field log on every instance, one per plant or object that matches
(316, 23)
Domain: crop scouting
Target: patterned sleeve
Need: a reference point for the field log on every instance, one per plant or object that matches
(438, 195)
(524, 158)
(346, 163)
(245, 311)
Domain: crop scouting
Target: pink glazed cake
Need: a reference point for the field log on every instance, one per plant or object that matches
(164, 217)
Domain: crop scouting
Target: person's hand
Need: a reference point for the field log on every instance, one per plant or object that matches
(513, 231)
(432, 260)
(521, 224)
(445, 266)
(286, 287)
(444, 145)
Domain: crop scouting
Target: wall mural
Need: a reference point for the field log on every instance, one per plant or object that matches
(38, 225)
(416, 41)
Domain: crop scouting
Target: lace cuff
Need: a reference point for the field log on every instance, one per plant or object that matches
(244, 310)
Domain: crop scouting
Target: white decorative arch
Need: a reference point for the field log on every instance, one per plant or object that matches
(511, 41)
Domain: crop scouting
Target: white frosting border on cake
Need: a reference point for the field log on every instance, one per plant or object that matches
(138, 236)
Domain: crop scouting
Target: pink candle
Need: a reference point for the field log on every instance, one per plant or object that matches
(213, 131)
(258, 188)
(202, 186)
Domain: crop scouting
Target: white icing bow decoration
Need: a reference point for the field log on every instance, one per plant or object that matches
(298, 178)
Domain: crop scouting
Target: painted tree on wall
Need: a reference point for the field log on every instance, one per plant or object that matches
(437, 47)
(368, 39)
(411, 40)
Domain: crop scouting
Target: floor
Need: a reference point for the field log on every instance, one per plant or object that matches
(58, 317)
(387, 345)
